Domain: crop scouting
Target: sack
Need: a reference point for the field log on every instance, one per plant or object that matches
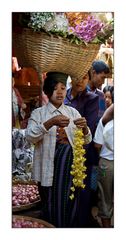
(94, 178)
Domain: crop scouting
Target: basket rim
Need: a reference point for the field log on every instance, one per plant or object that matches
(54, 36)
(48, 225)
(25, 207)
(25, 182)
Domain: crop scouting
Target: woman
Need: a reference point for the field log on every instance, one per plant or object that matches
(109, 94)
(51, 129)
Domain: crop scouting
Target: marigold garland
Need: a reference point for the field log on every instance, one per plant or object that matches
(78, 166)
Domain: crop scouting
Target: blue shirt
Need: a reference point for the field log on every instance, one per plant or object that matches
(87, 104)
(102, 105)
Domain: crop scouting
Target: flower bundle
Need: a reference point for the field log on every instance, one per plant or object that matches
(76, 27)
(76, 17)
(39, 20)
(49, 22)
(78, 166)
(87, 29)
(90, 27)
(106, 32)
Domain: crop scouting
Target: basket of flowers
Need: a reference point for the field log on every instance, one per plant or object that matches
(51, 42)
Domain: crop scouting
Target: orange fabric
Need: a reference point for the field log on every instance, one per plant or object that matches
(27, 76)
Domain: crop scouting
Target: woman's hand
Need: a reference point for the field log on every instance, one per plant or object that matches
(81, 123)
(60, 120)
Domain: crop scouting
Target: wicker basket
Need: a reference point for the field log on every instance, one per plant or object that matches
(51, 53)
(31, 219)
(26, 206)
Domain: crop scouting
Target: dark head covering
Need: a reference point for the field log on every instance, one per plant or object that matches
(59, 77)
(51, 81)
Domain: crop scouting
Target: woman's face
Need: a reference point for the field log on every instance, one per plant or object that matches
(58, 95)
(108, 98)
(80, 85)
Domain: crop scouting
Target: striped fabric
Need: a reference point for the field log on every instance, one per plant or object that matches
(58, 209)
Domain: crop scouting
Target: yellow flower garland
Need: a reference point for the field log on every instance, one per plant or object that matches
(78, 167)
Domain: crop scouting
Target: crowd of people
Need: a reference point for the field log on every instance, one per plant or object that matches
(51, 129)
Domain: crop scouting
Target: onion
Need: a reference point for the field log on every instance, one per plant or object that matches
(23, 223)
(24, 194)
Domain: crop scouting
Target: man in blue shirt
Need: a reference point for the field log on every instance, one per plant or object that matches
(97, 74)
(87, 103)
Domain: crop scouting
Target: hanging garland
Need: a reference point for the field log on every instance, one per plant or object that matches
(78, 166)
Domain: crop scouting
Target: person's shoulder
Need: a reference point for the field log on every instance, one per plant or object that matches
(38, 110)
(91, 95)
(100, 126)
(109, 127)
(70, 108)
(99, 92)
(109, 124)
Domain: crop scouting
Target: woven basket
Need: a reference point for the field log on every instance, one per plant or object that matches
(31, 219)
(51, 53)
(26, 206)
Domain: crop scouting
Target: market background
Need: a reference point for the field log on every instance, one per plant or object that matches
(6, 132)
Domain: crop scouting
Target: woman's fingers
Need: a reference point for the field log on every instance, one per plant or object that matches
(61, 120)
(80, 122)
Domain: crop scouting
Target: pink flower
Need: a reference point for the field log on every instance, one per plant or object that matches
(71, 30)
